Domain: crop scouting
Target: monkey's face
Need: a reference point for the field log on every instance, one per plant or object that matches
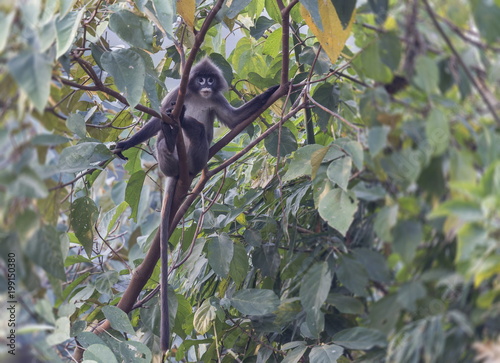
(205, 85)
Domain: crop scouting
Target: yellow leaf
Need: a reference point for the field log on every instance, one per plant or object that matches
(242, 219)
(333, 36)
(186, 9)
(390, 24)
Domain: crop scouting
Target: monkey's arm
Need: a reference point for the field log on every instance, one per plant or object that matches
(231, 116)
(145, 133)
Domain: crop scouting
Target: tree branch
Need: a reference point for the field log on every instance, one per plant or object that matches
(466, 69)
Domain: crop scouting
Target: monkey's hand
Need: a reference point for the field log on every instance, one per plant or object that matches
(170, 134)
(268, 92)
(272, 89)
(118, 151)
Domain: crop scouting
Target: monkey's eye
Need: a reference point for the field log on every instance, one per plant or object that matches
(210, 81)
(201, 80)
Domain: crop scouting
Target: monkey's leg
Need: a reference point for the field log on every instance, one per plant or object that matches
(197, 144)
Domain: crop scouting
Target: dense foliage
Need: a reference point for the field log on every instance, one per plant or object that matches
(363, 226)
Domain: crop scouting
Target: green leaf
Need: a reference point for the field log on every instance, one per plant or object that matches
(252, 237)
(66, 6)
(83, 215)
(267, 259)
(272, 45)
(105, 281)
(220, 253)
(344, 10)
(315, 286)
(44, 249)
(238, 269)
(390, 48)
(338, 209)
(165, 12)
(150, 315)
(76, 123)
(468, 211)
(286, 144)
(369, 192)
(322, 64)
(255, 301)
(328, 96)
(295, 354)
(133, 192)
(86, 339)
(60, 333)
(86, 155)
(261, 26)
(204, 316)
(49, 140)
(346, 304)
(118, 319)
(135, 352)
(377, 139)
(74, 284)
(409, 293)
(73, 259)
(427, 75)
(325, 353)
(360, 338)
(314, 289)
(183, 323)
(300, 163)
(374, 263)
(47, 36)
(66, 31)
(133, 29)
(236, 7)
(313, 9)
(32, 72)
(6, 21)
(486, 13)
(353, 148)
(109, 219)
(369, 61)
(407, 236)
(339, 171)
(129, 72)
(385, 220)
(352, 275)
(472, 238)
(25, 184)
(380, 8)
(437, 131)
(99, 353)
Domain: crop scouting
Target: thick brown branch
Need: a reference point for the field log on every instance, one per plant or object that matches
(285, 39)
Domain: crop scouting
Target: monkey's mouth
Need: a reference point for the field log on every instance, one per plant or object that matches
(206, 92)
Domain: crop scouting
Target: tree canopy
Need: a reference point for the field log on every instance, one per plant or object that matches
(355, 218)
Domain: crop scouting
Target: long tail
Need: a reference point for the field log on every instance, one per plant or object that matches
(170, 184)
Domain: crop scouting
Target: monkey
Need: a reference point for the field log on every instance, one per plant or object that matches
(204, 101)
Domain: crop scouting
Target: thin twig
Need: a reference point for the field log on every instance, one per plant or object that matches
(466, 69)
(334, 114)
